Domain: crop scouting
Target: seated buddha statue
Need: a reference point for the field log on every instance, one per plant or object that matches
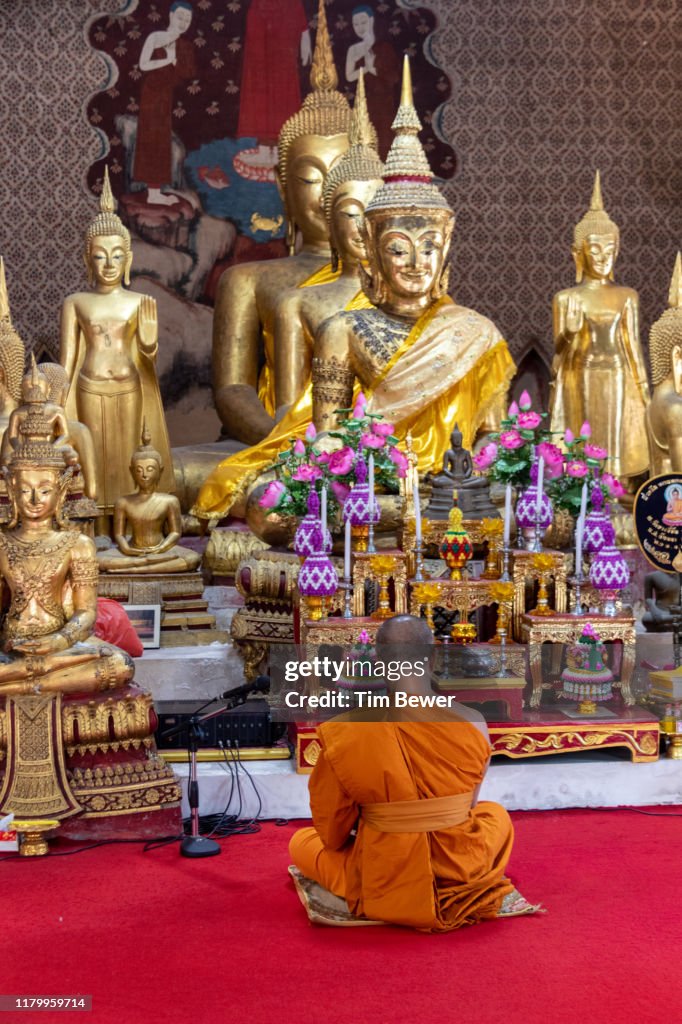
(664, 414)
(348, 187)
(422, 361)
(244, 318)
(12, 357)
(473, 492)
(50, 572)
(37, 412)
(154, 520)
(598, 370)
(109, 341)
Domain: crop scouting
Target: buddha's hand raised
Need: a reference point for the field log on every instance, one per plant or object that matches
(148, 323)
(574, 314)
(51, 644)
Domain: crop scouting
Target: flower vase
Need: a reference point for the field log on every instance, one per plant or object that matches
(456, 548)
(527, 518)
(609, 574)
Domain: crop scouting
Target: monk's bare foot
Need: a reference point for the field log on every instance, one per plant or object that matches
(514, 905)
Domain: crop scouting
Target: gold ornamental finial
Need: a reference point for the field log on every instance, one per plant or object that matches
(361, 131)
(323, 75)
(596, 221)
(675, 294)
(106, 199)
(406, 85)
(4, 297)
(666, 333)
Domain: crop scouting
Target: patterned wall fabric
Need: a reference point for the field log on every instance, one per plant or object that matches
(543, 92)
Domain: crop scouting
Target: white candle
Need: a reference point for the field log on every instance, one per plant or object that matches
(538, 494)
(371, 487)
(507, 514)
(583, 504)
(323, 513)
(417, 509)
(580, 531)
(346, 551)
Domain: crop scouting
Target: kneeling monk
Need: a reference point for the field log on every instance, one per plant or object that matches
(426, 853)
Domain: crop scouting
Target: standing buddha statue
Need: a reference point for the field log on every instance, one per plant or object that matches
(424, 362)
(109, 341)
(244, 317)
(664, 415)
(598, 370)
(348, 187)
(12, 357)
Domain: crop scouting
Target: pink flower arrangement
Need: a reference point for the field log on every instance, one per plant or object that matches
(577, 468)
(614, 486)
(593, 451)
(341, 462)
(485, 458)
(554, 459)
(529, 420)
(511, 439)
(306, 473)
(272, 494)
(369, 440)
(399, 461)
(382, 429)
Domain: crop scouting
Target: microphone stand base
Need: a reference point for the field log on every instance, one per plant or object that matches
(198, 846)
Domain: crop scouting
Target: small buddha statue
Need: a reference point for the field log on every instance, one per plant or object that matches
(348, 187)
(310, 142)
(37, 414)
(458, 472)
(154, 520)
(51, 572)
(424, 362)
(664, 414)
(12, 357)
(598, 370)
(109, 341)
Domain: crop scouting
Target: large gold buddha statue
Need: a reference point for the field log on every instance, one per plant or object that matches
(109, 341)
(422, 361)
(154, 520)
(664, 415)
(300, 311)
(598, 371)
(12, 357)
(244, 317)
(51, 574)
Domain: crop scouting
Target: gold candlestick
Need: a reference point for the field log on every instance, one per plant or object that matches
(382, 566)
(427, 594)
(543, 564)
(493, 530)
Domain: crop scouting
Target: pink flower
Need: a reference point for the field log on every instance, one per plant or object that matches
(306, 473)
(576, 468)
(511, 439)
(525, 401)
(341, 491)
(400, 462)
(321, 458)
(615, 487)
(341, 461)
(554, 460)
(360, 403)
(299, 447)
(272, 494)
(371, 441)
(586, 430)
(382, 429)
(569, 436)
(486, 456)
(529, 420)
(513, 410)
(310, 433)
(364, 637)
(593, 451)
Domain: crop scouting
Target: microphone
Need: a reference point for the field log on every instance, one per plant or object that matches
(259, 685)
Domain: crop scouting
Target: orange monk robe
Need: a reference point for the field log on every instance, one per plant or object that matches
(436, 881)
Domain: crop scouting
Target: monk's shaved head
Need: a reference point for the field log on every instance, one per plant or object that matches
(404, 629)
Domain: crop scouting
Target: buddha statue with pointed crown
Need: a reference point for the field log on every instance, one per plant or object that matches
(598, 370)
(12, 357)
(109, 341)
(147, 523)
(310, 142)
(422, 361)
(664, 414)
(348, 187)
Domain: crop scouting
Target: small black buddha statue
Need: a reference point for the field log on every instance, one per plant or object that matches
(473, 494)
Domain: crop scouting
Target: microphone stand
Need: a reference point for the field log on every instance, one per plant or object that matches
(196, 845)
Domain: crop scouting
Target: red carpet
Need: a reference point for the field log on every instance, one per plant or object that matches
(155, 937)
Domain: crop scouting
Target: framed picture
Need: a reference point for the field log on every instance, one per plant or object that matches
(146, 621)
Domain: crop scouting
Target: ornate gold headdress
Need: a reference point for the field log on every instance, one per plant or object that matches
(596, 221)
(408, 181)
(144, 450)
(107, 221)
(324, 111)
(361, 162)
(12, 351)
(666, 333)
